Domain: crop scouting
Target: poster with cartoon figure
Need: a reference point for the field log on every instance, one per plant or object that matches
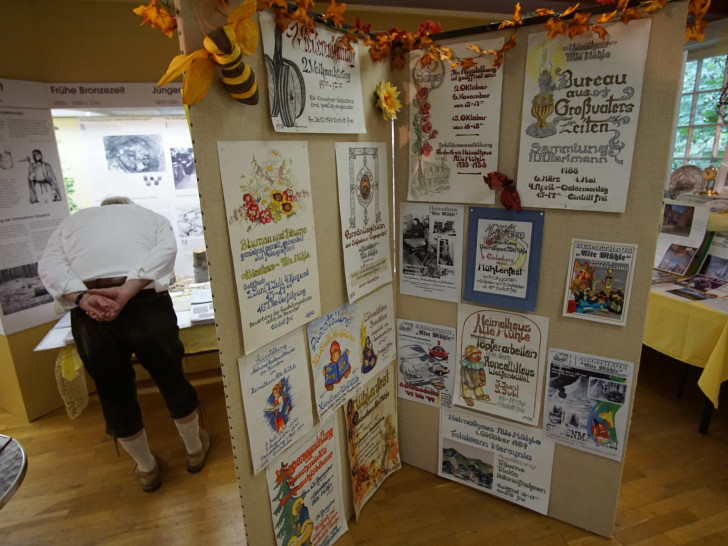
(304, 487)
(377, 334)
(587, 402)
(454, 116)
(269, 209)
(371, 422)
(334, 341)
(581, 104)
(503, 257)
(276, 395)
(497, 457)
(426, 359)
(502, 358)
(364, 210)
(599, 282)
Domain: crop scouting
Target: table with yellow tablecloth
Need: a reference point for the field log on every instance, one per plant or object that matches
(692, 333)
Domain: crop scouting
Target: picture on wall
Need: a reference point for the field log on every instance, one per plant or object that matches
(503, 257)
(276, 395)
(21, 289)
(134, 153)
(430, 256)
(183, 168)
(189, 221)
(501, 357)
(364, 210)
(581, 104)
(497, 457)
(427, 357)
(454, 119)
(599, 283)
(269, 209)
(587, 402)
(314, 84)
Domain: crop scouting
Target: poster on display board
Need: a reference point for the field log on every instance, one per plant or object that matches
(276, 396)
(347, 345)
(454, 117)
(268, 202)
(304, 487)
(426, 356)
(581, 104)
(502, 358)
(149, 160)
(496, 457)
(371, 422)
(503, 257)
(314, 84)
(599, 283)
(430, 257)
(587, 402)
(33, 204)
(364, 210)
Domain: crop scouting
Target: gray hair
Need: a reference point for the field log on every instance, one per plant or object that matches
(117, 200)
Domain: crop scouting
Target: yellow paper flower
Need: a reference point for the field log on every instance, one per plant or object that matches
(388, 100)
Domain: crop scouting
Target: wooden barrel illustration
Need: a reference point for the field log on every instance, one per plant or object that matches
(237, 76)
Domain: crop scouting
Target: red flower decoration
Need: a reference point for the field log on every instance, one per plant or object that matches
(434, 134)
(253, 212)
(430, 27)
(288, 194)
(426, 149)
(425, 107)
(427, 127)
(422, 93)
(265, 216)
(248, 199)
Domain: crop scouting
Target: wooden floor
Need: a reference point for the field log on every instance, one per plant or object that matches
(674, 489)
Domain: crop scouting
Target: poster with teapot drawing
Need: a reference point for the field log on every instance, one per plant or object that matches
(581, 104)
(454, 116)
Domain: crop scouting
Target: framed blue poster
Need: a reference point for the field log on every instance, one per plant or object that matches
(503, 257)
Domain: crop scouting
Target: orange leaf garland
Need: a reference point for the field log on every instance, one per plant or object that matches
(698, 8)
(569, 11)
(335, 13)
(517, 19)
(578, 25)
(147, 12)
(653, 6)
(555, 27)
(696, 31)
(157, 17)
(600, 31)
(630, 14)
(541, 12)
(606, 17)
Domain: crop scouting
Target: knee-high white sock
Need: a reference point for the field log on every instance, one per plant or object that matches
(190, 433)
(138, 448)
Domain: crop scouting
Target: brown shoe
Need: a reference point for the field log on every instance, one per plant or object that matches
(150, 481)
(196, 461)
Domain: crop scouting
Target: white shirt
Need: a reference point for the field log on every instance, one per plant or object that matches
(110, 241)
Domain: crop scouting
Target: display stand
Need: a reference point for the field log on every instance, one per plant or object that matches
(584, 487)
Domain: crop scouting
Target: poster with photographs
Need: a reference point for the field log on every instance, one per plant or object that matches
(33, 204)
(364, 210)
(581, 104)
(502, 358)
(269, 210)
(334, 343)
(314, 85)
(587, 402)
(683, 226)
(430, 256)
(277, 396)
(304, 487)
(371, 422)
(497, 457)
(149, 160)
(426, 359)
(599, 282)
(454, 118)
(503, 257)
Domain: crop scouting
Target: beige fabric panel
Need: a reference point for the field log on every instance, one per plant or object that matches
(220, 118)
(584, 487)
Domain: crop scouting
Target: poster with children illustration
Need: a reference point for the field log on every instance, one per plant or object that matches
(501, 361)
(371, 422)
(364, 209)
(276, 396)
(304, 487)
(272, 240)
(377, 335)
(599, 281)
(587, 402)
(334, 342)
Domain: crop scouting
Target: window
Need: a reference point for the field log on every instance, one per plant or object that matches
(701, 136)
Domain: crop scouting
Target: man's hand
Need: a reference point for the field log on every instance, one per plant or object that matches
(120, 295)
(99, 307)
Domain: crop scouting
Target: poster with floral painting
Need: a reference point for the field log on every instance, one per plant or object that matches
(454, 118)
(269, 210)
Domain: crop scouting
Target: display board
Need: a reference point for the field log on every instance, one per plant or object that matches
(590, 504)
